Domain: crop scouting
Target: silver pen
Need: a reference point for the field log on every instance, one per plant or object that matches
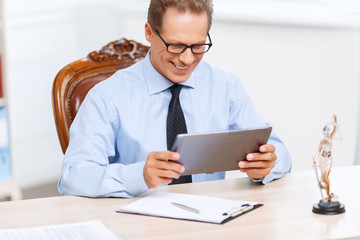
(185, 207)
(244, 210)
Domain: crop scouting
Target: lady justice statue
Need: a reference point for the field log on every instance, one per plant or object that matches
(323, 160)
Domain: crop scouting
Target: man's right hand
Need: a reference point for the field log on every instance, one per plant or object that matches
(158, 170)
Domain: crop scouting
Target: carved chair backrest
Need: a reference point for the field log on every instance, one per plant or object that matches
(74, 81)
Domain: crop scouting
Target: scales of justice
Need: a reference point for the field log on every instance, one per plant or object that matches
(329, 203)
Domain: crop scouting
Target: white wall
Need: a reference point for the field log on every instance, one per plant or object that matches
(44, 36)
(298, 74)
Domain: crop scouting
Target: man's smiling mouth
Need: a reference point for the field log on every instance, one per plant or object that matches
(181, 68)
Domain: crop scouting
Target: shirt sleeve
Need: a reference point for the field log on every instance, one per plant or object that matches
(88, 169)
(244, 115)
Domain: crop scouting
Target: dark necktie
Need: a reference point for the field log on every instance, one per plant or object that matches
(176, 125)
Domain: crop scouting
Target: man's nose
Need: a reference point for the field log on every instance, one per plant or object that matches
(187, 57)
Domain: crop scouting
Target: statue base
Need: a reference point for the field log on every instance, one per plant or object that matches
(328, 208)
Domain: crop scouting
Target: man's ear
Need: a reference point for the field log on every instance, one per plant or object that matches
(149, 33)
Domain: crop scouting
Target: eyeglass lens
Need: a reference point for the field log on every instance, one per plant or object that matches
(179, 48)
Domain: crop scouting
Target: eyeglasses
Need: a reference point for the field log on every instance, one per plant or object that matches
(177, 48)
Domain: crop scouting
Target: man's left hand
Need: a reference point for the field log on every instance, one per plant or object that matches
(259, 164)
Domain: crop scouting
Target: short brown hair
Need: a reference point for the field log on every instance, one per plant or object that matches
(157, 9)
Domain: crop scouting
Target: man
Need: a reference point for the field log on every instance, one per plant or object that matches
(118, 141)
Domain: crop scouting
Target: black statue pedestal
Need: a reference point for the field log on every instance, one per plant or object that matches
(328, 208)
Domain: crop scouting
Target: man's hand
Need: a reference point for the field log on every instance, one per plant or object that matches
(158, 170)
(258, 165)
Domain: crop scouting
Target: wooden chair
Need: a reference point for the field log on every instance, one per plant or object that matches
(74, 81)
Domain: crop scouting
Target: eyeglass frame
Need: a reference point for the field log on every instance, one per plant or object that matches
(185, 46)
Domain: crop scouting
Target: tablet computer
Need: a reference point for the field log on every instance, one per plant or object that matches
(218, 151)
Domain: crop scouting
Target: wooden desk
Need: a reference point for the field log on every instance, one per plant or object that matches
(287, 213)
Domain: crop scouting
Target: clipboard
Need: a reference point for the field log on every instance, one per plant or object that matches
(189, 207)
(218, 151)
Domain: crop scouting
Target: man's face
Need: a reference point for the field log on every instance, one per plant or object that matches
(184, 28)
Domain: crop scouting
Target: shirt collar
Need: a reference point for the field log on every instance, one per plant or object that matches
(157, 83)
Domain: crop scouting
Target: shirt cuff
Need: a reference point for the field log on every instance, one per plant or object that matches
(257, 180)
(134, 178)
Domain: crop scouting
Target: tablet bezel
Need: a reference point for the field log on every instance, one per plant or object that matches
(218, 151)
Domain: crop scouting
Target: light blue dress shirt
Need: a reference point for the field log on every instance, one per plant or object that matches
(123, 119)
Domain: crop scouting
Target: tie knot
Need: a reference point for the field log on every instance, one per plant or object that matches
(175, 90)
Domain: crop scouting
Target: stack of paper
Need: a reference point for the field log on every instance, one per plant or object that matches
(91, 230)
(5, 164)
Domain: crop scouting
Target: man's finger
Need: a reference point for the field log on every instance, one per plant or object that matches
(254, 164)
(261, 156)
(167, 174)
(172, 166)
(256, 173)
(167, 155)
(267, 148)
